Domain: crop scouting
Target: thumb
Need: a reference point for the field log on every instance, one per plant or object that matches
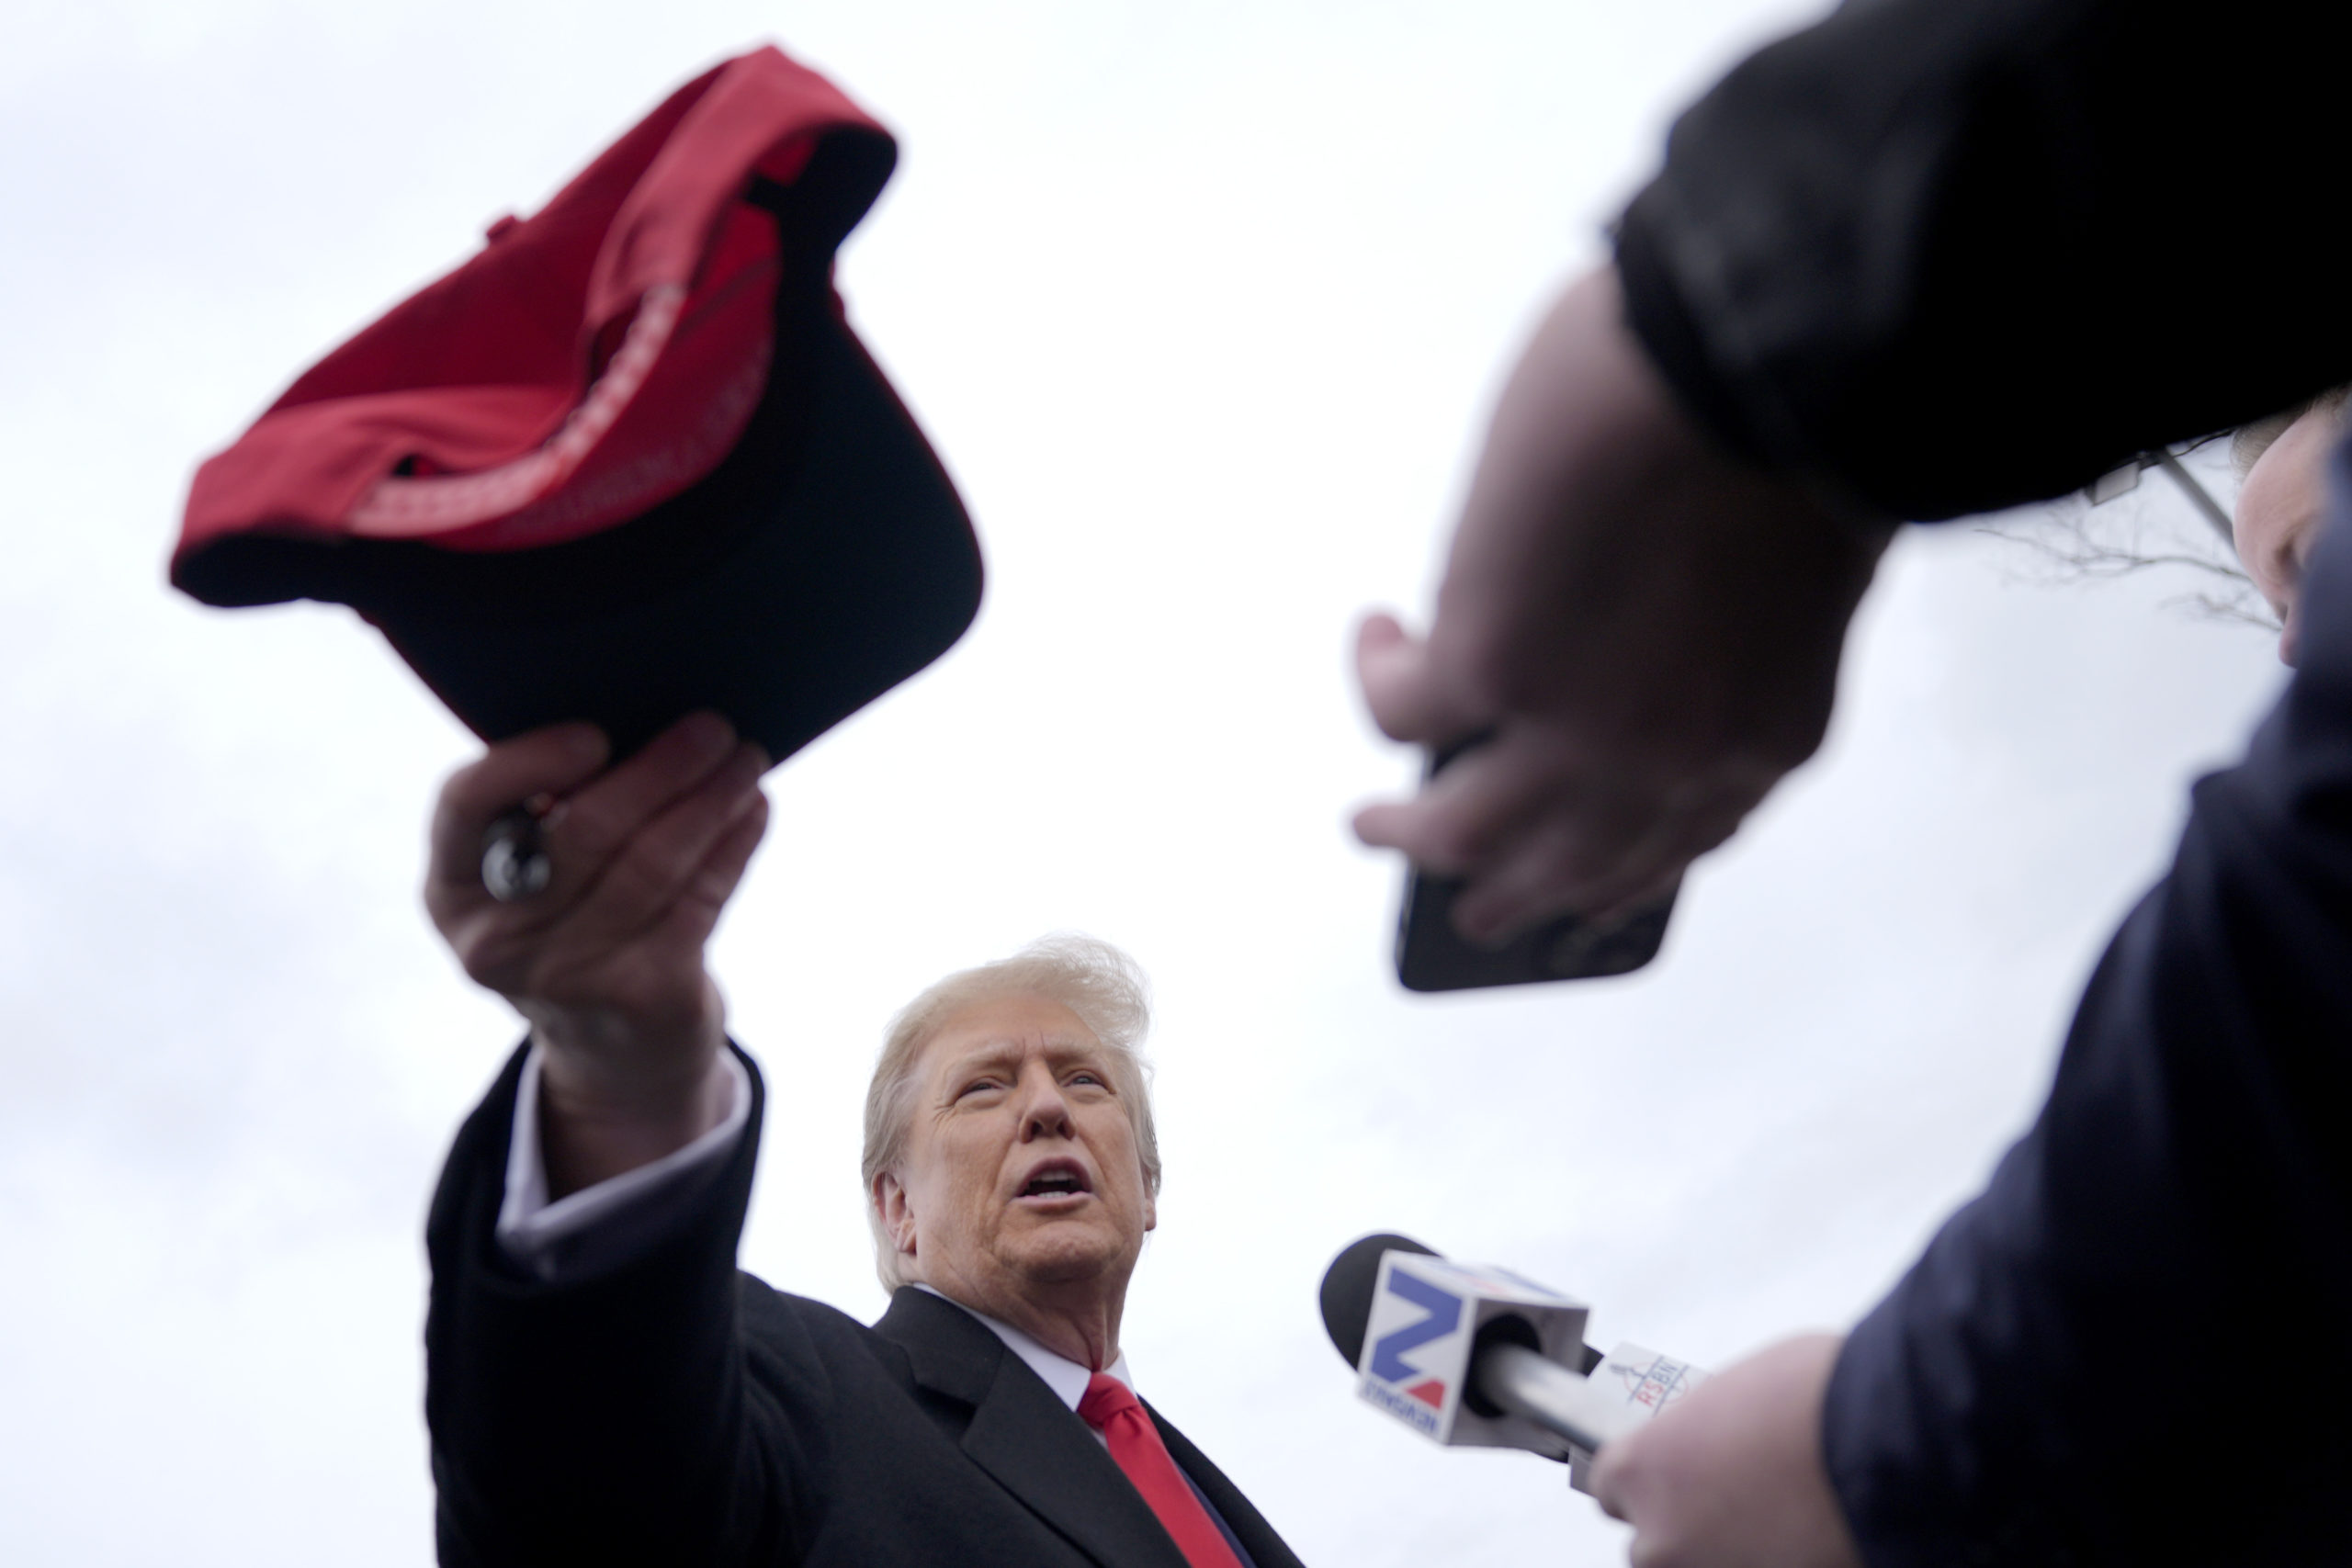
(1609, 1476)
(1400, 690)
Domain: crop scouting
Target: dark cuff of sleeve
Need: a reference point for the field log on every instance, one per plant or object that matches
(1903, 1488)
(1659, 316)
(1867, 1445)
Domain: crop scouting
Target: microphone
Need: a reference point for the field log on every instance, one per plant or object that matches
(1479, 1357)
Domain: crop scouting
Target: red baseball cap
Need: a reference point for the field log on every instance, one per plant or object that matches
(629, 460)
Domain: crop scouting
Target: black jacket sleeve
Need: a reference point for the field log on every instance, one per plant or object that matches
(1943, 256)
(605, 1419)
(2131, 1347)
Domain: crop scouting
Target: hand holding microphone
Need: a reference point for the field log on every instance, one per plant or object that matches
(1725, 1475)
(1734, 1477)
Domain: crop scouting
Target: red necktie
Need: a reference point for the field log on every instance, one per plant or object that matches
(1111, 1409)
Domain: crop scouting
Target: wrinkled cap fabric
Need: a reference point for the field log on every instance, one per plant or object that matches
(628, 461)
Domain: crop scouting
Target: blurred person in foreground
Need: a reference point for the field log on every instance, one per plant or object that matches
(2283, 502)
(605, 1387)
(1914, 263)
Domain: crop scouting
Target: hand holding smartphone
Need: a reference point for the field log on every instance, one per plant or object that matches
(1432, 956)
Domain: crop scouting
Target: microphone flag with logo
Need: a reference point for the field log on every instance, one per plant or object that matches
(1477, 1356)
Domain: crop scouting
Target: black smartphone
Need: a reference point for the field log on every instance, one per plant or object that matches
(1432, 956)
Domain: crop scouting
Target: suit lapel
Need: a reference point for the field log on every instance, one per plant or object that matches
(1026, 1438)
(1266, 1549)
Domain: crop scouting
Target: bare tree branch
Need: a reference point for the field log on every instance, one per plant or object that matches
(2151, 527)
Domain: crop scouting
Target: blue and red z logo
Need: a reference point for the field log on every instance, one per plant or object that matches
(1388, 1363)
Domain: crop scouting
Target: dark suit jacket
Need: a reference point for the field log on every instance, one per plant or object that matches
(673, 1410)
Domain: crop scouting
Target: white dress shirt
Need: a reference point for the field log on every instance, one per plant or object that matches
(598, 1227)
(1065, 1377)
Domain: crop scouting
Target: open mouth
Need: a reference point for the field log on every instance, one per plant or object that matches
(1056, 1178)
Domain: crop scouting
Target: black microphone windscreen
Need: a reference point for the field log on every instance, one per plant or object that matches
(1346, 1289)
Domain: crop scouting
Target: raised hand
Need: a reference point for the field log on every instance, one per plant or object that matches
(607, 962)
(1649, 627)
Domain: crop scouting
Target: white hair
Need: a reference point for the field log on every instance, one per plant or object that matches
(2251, 441)
(1101, 985)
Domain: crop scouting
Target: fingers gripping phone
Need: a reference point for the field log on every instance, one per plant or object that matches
(1432, 956)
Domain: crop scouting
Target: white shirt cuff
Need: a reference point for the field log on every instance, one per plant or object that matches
(602, 1226)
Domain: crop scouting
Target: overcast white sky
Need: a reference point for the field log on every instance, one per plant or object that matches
(1202, 305)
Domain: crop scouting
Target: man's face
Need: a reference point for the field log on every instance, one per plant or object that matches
(2280, 512)
(1020, 1176)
